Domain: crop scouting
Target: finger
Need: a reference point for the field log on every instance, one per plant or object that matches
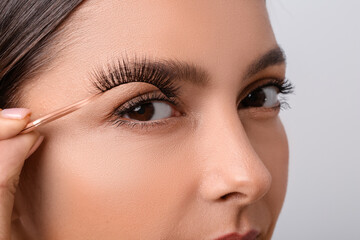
(12, 156)
(14, 151)
(12, 121)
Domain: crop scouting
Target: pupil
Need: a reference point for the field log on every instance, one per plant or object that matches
(255, 99)
(143, 112)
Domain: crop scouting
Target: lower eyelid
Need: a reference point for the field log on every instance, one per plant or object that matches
(260, 113)
(155, 126)
(261, 109)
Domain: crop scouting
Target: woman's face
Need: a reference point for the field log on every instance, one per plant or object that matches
(212, 163)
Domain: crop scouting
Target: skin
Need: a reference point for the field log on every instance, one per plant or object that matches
(14, 150)
(215, 171)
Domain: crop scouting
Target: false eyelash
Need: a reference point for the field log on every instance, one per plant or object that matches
(284, 85)
(120, 72)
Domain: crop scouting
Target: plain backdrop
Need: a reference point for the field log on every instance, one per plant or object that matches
(321, 39)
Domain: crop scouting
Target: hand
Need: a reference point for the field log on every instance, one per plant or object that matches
(14, 149)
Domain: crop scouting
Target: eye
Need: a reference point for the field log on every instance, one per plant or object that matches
(147, 109)
(266, 97)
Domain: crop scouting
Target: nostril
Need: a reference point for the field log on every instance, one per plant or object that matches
(232, 195)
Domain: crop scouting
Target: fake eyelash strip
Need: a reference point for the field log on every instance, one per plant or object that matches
(120, 72)
(285, 88)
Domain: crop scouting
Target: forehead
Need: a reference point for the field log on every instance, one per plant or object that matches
(223, 37)
(211, 30)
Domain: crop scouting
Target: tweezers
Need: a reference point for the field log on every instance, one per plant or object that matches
(59, 113)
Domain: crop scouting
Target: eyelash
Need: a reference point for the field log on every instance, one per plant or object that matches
(284, 87)
(119, 72)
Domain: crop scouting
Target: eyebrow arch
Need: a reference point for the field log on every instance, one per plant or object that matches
(186, 71)
(275, 56)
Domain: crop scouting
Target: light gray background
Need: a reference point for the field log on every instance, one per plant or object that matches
(322, 41)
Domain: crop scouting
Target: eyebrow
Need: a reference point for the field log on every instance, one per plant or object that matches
(171, 70)
(185, 71)
(275, 56)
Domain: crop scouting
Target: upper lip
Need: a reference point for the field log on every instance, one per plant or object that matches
(251, 235)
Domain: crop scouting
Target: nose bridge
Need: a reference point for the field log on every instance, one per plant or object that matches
(232, 168)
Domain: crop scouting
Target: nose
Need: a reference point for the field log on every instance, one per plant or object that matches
(233, 171)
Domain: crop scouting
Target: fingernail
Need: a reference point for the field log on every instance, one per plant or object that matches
(35, 146)
(15, 113)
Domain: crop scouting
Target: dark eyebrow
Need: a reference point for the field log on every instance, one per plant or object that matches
(273, 57)
(185, 71)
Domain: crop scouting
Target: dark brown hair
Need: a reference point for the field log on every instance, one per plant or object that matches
(27, 28)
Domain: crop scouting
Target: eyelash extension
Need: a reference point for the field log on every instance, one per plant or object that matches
(284, 85)
(285, 88)
(131, 104)
(124, 71)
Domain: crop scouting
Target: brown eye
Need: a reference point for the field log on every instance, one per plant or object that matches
(149, 111)
(263, 97)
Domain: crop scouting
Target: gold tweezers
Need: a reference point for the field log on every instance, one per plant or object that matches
(59, 113)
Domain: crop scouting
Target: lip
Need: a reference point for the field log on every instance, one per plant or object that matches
(251, 235)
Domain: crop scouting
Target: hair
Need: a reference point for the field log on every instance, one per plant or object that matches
(27, 29)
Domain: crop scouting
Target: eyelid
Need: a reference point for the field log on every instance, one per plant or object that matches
(160, 126)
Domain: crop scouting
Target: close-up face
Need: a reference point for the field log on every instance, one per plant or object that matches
(191, 147)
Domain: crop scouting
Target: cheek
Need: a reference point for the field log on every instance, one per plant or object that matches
(127, 181)
(269, 140)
